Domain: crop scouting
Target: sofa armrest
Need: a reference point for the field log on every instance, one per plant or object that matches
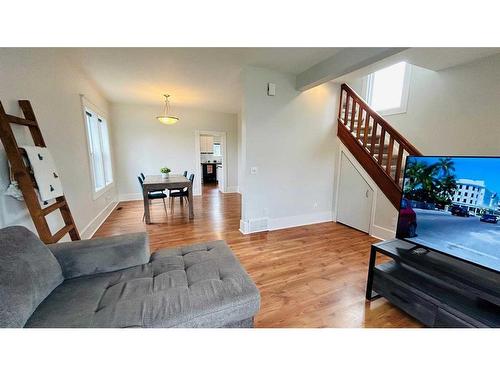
(88, 257)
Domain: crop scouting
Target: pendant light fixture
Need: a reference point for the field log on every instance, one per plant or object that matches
(166, 118)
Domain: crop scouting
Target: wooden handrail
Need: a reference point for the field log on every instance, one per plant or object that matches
(374, 143)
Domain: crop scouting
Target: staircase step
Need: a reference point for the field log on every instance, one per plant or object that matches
(377, 145)
(392, 169)
(370, 127)
(394, 159)
(356, 120)
(362, 125)
(385, 157)
(349, 115)
(361, 133)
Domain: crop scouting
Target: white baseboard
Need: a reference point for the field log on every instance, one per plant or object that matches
(130, 197)
(254, 226)
(94, 225)
(287, 222)
(299, 220)
(244, 227)
(382, 233)
(232, 189)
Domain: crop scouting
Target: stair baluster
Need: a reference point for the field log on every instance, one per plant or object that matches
(379, 147)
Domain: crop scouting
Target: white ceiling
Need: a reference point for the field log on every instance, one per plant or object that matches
(207, 78)
(430, 58)
(444, 58)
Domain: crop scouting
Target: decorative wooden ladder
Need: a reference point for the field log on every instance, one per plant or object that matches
(25, 178)
(378, 147)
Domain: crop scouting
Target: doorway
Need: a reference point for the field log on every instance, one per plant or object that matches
(211, 160)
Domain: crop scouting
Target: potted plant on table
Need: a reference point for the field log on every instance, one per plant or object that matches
(164, 172)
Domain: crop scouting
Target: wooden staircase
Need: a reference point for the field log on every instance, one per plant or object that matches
(377, 146)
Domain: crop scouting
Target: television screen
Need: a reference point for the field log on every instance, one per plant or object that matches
(452, 205)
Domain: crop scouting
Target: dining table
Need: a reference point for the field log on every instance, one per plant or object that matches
(158, 182)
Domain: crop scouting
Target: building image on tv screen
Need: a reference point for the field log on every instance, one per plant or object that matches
(452, 205)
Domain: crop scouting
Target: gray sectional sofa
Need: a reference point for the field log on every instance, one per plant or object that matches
(114, 282)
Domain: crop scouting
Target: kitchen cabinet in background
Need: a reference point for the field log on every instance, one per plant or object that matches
(206, 144)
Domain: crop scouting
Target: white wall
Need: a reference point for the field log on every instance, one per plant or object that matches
(290, 138)
(457, 106)
(142, 144)
(454, 111)
(53, 86)
(240, 151)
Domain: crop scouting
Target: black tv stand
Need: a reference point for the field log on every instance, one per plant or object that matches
(436, 289)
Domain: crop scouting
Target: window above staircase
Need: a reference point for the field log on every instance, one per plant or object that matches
(387, 89)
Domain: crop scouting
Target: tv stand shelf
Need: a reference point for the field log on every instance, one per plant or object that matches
(436, 289)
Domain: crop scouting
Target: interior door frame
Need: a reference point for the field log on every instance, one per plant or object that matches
(197, 190)
(345, 152)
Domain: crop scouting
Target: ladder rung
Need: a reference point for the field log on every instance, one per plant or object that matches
(53, 207)
(22, 173)
(21, 121)
(62, 232)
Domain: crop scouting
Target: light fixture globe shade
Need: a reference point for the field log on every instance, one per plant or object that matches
(167, 120)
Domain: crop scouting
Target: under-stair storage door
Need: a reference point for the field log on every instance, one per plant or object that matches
(355, 197)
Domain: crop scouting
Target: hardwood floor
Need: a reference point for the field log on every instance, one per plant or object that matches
(310, 276)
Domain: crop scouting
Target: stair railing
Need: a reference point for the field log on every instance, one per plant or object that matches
(369, 136)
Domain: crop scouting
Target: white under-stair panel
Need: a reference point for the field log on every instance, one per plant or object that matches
(355, 197)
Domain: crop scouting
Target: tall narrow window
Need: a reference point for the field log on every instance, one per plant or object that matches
(217, 149)
(106, 151)
(387, 89)
(99, 151)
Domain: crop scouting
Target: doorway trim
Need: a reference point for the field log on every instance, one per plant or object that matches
(197, 190)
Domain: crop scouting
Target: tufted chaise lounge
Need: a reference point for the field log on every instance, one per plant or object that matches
(114, 282)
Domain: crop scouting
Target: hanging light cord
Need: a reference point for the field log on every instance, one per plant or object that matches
(167, 105)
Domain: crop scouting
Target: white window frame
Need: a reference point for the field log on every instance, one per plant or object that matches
(402, 108)
(97, 193)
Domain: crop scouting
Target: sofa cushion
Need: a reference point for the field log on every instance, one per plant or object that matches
(74, 303)
(101, 255)
(28, 274)
(194, 286)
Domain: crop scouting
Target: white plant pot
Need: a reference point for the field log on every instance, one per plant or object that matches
(164, 175)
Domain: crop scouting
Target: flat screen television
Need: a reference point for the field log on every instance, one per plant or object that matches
(452, 205)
